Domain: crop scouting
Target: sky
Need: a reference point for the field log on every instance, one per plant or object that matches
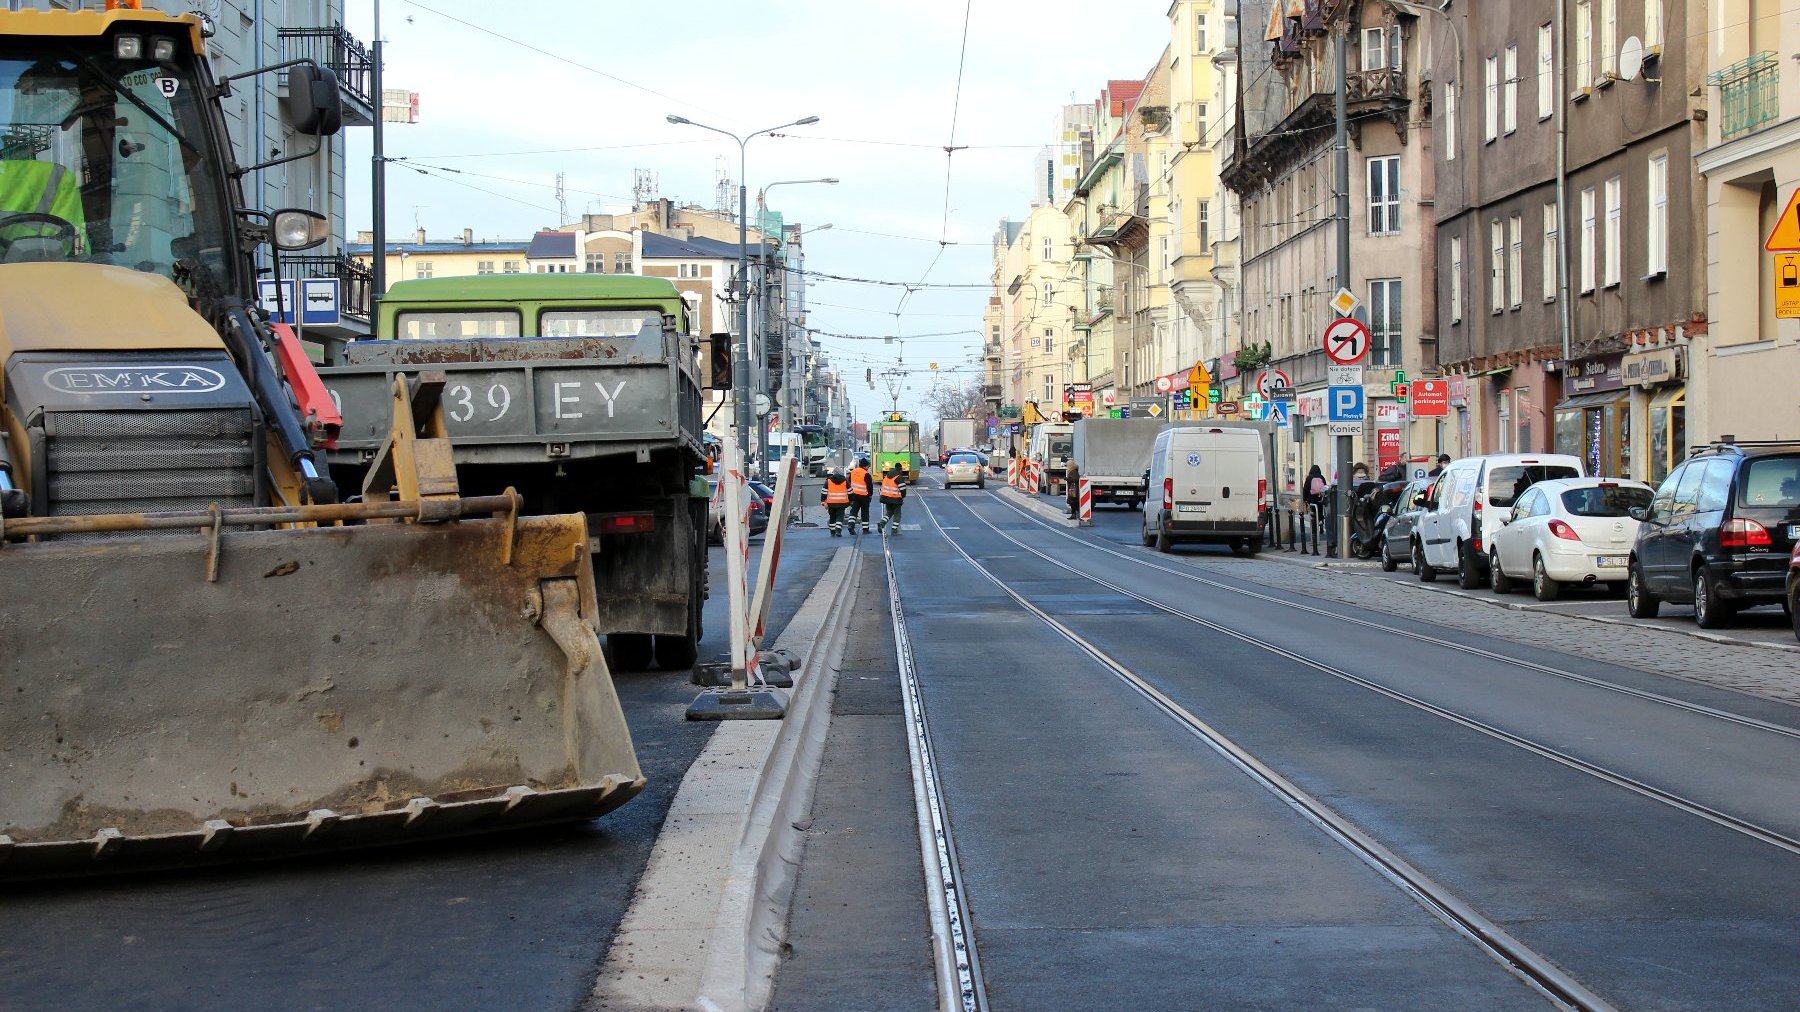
(508, 100)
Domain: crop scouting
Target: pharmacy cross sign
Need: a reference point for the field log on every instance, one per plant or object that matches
(1346, 341)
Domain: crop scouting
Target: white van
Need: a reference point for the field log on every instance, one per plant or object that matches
(1207, 485)
(1448, 535)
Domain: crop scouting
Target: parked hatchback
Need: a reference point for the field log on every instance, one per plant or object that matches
(1567, 531)
(1396, 537)
(1719, 533)
(964, 467)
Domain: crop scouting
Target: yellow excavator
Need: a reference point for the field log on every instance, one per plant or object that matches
(207, 651)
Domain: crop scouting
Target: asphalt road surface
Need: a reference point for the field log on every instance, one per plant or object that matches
(517, 921)
(1176, 782)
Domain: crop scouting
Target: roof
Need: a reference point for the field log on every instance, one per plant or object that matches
(530, 287)
(1123, 95)
(552, 246)
(663, 247)
(364, 249)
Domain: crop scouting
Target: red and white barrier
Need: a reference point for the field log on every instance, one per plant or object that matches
(1012, 471)
(1086, 493)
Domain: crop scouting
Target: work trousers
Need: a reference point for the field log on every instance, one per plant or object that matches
(836, 514)
(890, 513)
(859, 507)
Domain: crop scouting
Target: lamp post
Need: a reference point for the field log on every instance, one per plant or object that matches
(740, 367)
(377, 184)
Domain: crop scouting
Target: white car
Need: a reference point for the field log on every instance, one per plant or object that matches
(964, 468)
(1567, 530)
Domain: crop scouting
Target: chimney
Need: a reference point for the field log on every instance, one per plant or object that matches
(468, 237)
(419, 237)
(366, 237)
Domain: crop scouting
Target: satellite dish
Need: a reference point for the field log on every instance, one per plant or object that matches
(1631, 58)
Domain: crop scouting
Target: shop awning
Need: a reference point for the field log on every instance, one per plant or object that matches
(1598, 399)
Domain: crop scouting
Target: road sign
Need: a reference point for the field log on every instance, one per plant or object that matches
(1344, 375)
(1344, 428)
(1280, 411)
(1272, 379)
(1227, 407)
(1164, 384)
(319, 302)
(1787, 286)
(1345, 302)
(1346, 341)
(1344, 404)
(282, 309)
(1198, 376)
(1785, 236)
(1154, 411)
(1430, 398)
(1280, 393)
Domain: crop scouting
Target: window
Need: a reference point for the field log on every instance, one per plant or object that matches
(1589, 232)
(1049, 248)
(458, 324)
(1497, 267)
(484, 267)
(1384, 322)
(1203, 225)
(1653, 35)
(1200, 120)
(1049, 293)
(1552, 258)
(1584, 44)
(596, 263)
(1490, 128)
(1656, 232)
(1614, 232)
(1546, 72)
(1396, 47)
(1687, 494)
(1510, 105)
(1049, 340)
(421, 268)
(1164, 241)
(1515, 282)
(1715, 484)
(621, 263)
(1609, 39)
(1449, 121)
(1374, 49)
(1384, 194)
(1200, 33)
(1049, 388)
(1456, 279)
(513, 266)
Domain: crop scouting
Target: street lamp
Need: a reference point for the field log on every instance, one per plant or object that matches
(740, 367)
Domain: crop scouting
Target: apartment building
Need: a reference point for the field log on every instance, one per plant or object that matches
(1202, 214)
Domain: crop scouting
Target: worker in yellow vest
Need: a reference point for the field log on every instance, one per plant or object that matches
(43, 199)
(836, 498)
(859, 495)
(893, 496)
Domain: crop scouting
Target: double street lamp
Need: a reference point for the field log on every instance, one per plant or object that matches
(740, 367)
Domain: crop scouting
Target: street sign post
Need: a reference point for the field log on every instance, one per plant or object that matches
(1345, 404)
(1346, 341)
(1344, 375)
(1345, 302)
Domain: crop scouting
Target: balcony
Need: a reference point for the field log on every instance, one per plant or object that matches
(347, 58)
(355, 279)
(1749, 94)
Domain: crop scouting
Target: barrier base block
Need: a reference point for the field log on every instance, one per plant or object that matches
(724, 704)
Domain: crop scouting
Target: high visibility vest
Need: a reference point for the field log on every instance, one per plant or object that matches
(859, 481)
(837, 493)
(43, 188)
(890, 487)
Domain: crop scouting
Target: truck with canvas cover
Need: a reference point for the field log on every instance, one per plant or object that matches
(207, 652)
(581, 391)
(1113, 454)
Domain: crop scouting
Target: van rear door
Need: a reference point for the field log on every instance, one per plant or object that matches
(1216, 476)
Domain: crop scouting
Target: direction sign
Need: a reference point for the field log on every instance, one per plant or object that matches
(1785, 236)
(1346, 341)
(1344, 404)
(1430, 398)
(1345, 302)
(1272, 379)
(1280, 393)
(1344, 375)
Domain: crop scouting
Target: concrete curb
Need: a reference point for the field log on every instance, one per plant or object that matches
(707, 922)
(1037, 506)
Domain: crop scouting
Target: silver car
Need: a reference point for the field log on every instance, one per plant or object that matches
(964, 468)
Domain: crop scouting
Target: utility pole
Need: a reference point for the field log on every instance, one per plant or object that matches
(1345, 444)
(378, 186)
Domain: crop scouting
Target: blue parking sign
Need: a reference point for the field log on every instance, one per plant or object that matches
(1344, 404)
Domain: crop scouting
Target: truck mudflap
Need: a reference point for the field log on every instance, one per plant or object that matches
(234, 694)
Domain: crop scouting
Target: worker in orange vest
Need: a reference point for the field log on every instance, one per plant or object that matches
(859, 495)
(893, 496)
(836, 498)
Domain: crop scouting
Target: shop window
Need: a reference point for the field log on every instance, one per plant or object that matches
(1668, 432)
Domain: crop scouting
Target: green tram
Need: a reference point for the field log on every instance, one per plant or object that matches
(896, 441)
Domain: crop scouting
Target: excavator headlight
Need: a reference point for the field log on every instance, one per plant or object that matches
(129, 47)
(297, 229)
(163, 50)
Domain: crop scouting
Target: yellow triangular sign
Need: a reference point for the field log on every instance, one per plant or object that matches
(1785, 236)
(1198, 376)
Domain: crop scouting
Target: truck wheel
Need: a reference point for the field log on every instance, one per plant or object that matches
(1163, 544)
(676, 653)
(630, 651)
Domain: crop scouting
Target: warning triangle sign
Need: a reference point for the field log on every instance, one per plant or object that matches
(1785, 236)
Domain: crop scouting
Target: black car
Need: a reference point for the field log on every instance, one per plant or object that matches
(1719, 532)
(1396, 537)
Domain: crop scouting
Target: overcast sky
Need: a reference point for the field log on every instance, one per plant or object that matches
(583, 89)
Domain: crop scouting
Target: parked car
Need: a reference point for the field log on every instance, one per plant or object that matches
(715, 513)
(1396, 537)
(1567, 530)
(1719, 533)
(964, 467)
(1448, 535)
(1793, 588)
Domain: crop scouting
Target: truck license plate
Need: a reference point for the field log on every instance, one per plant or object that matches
(1189, 508)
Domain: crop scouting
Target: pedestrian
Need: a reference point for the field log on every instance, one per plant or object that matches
(893, 497)
(1314, 493)
(1359, 473)
(836, 498)
(1443, 461)
(1072, 491)
(859, 494)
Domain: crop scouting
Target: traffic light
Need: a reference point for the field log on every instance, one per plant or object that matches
(718, 361)
(869, 377)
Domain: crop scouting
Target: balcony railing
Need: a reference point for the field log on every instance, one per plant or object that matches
(347, 58)
(1749, 94)
(355, 280)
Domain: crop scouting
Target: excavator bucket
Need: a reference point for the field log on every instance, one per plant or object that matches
(235, 690)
